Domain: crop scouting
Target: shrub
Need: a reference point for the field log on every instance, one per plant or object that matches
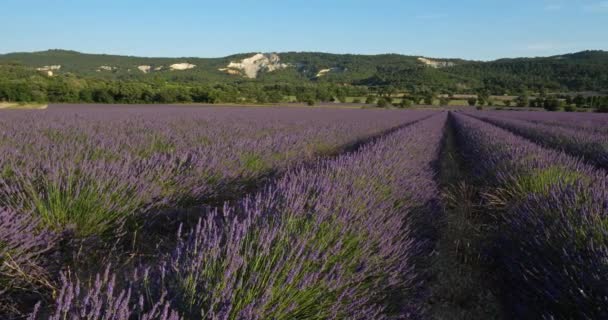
(406, 103)
(603, 108)
(383, 103)
(551, 104)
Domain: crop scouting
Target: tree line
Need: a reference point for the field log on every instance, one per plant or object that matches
(70, 89)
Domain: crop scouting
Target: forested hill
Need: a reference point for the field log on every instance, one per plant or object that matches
(283, 67)
(581, 71)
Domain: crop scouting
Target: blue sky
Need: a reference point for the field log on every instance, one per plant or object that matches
(473, 29)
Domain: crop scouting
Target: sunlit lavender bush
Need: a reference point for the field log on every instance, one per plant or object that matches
(593, 146)
(591, 122)
(92, 169)
(550, 246)
(334, 241)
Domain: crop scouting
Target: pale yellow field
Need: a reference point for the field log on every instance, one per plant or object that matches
(35, 106)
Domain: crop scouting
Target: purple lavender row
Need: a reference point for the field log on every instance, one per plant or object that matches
(592, 146)
(586, 121)
(548, 247)
(335, 241)
(89, 169)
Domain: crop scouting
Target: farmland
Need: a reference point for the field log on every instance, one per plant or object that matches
(185, 212)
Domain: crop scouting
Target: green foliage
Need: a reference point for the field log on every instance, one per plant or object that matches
(483, 97)
(472, 101)
(429, 98)
(405, 103)
(254, 163)
(522, 101)
(551, 104)
(79, 202)
(383, 103)
(81, 80)
(542, 180)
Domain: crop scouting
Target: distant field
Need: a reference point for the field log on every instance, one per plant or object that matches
(7, 105)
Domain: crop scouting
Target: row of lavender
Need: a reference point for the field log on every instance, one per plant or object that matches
(549, 212)
(587, 121)
(90, 169)
(339, 240)
(577, 136)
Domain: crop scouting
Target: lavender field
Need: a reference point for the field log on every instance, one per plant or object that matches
(179, 212)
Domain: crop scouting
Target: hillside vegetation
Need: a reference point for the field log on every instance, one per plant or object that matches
(69, 76)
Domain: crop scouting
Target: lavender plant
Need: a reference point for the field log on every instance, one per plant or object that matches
(24, 249)
(102, 300)
(577, 142)
(90, 170)
(591, 122)
(549, 248)
(333, 241)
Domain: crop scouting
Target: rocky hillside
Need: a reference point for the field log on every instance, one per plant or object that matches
(579, 71)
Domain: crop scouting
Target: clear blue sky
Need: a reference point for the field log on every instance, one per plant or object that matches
(474, 29)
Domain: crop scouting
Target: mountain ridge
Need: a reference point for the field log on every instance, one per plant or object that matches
(584, 70)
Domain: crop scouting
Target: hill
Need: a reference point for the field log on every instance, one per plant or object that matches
(582, 71)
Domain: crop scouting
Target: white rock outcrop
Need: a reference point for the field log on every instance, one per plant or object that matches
(144, 69)
(233, 72)
(49, 70)
(324, 72)
(106, 68)
(436, 64)
(252, 66)
(182, 66)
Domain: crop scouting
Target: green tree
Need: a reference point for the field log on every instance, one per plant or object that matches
(102, 95)
(405, 103)
(603, 105)
(429, 98)
(551, 104)
(522, 101)
(472, 101)
(579, 101)
(383, 102)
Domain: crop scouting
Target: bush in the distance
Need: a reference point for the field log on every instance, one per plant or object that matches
(569, 108)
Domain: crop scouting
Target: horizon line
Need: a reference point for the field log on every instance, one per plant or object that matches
(295, 51)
